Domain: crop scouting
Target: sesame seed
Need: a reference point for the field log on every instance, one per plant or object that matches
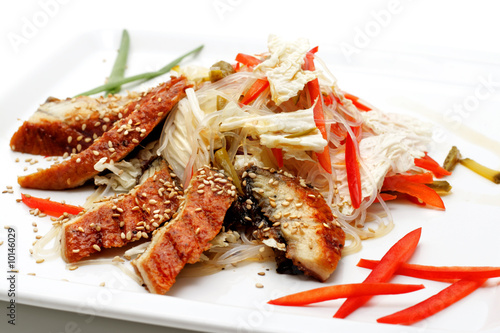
(197, 231)
(311, 196)
(39, 261)
(261, 273)
(96, 247)
(252, 175)
(76, 251)
(72, 268)
(259, 285)
(95, 152)
(198, 209)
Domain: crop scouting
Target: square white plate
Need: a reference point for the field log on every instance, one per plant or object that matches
(425, 86)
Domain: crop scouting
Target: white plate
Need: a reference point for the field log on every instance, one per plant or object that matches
(424, 86)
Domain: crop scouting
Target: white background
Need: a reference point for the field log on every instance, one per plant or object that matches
(33, 31)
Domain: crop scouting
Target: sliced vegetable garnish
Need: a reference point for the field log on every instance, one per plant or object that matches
(440, 186)
(49, 207)
(355, 101)
(353, 174)
(222, 159)
(386, 197)
(490, 174)
(423, 178)
(299, 134)
(319, 117)
(118, 71)
(278, 155)
(255, 90)
(401, 184)
(388, 265)
(433, 304)
(343, 291)
(439, 272)
(144, 76)
(247, 60)
(452, 159)
(429, 164)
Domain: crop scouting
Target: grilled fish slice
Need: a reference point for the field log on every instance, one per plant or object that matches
(114, 144)
(314, 241)
(123, 219)
(200, 218)
(70, 125)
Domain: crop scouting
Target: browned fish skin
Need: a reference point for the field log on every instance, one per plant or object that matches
(114, 144)
(70, 125)
(314, 241)
(127, 218)
(200, 218)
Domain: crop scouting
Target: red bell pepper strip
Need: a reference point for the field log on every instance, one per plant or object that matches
(355, 101)
(423, 178)
(353, 174)
(343, 291)
(431, 165)
(255, 90)
(440, 272)
(247, 60)
(278, 155)
(386, 197)
(319, 117)
(433, 304)
(49, 207)
(388, 265)
(400, 183)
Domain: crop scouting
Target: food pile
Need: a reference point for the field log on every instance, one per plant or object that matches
(264, 155)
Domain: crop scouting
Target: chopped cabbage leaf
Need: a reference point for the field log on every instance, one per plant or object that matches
(274, 130)
(283, 68)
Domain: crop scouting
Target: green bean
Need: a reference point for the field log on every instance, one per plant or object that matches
(143, 76)
(118, 71)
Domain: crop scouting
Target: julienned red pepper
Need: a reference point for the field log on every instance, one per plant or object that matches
(255, 90)
(353, 174)
(431, 165)
(439, 272)
(401, 184)
(433, 304)
(319, 117)
(343, 291)
(388, 265)
(278, 155)
(247, 60)
(355, 101)
(49, 207)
